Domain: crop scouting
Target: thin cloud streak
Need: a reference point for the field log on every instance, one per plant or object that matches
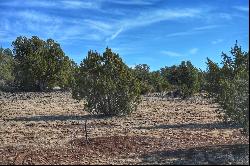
(193, 31)
(134, 2)
(115, 35)
(62, 4)
(145, 19)
(160, 15)
(217, 41)
(206, 27)
(193, 51)
(242, 8)
(171, 53)
(99, 25)
(74, 4)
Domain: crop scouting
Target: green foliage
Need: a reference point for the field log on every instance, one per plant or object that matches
(171, 74)
(187, 79)
(183, 77)
(158, 82)
(213, 78)
(6, 66)
(229, 85)
(150, 81)
(107, 84)
(41, 64)
(202, 80)
(142, 73)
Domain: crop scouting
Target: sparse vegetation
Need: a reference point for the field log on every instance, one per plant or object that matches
(124, 82)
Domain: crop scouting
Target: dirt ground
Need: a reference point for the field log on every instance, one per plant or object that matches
(48, 128)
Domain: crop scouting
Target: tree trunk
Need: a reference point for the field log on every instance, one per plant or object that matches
(86, 132)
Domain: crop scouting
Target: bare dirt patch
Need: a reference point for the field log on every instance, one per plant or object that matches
(48, 128)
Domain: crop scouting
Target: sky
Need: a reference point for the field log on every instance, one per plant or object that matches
(154, 32)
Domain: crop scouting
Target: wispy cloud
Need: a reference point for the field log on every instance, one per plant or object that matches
(193, 51)
(115, 34)
(134, 2)
(63, 4)
(217, 41)
(76, 4)
(35, 16)
(147, 18)
(171, 53)
(30, 22)
(207, 27)
(99, 25)
(160, 15)
(242, 8)
(180, 33)
(98, 28)
(107, 30)
(193, 31)
(101, 30)
(226, 16)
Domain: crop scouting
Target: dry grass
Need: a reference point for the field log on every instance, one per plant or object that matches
(48, 128)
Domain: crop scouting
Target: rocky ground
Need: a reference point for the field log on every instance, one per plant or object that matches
(48, 128)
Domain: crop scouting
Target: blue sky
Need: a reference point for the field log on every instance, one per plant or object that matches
(156, 32)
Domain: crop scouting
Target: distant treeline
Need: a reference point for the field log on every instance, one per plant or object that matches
(110, 85)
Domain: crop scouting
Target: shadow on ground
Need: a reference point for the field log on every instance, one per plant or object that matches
(58, 117)
(217, 125)
(219, 154)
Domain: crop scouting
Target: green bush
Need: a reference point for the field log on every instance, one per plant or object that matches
(187, 79)
(107, 84)
(183, 78)
(41, 64)
(6, 67)
(150, 81)
(229, 85)
(202, 80)
(142, 73)
(158, 83)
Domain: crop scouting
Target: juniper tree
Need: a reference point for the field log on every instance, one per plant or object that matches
(142, 73)
(158, 83)
(150, 81)
(187, 76)
(229, 85)
(183, 78)
(6, 66)
(107, 84)
(41, 64)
